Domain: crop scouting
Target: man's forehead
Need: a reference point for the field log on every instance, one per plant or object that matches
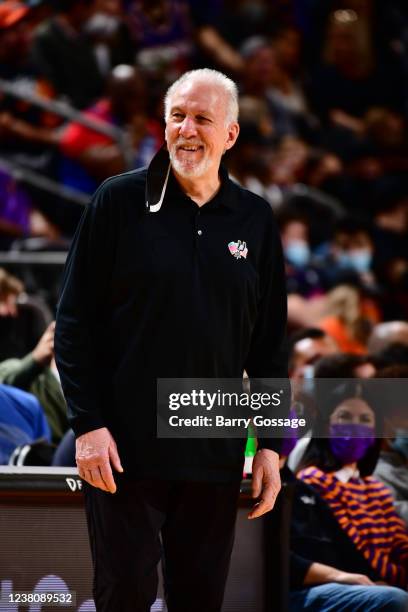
(198, 93)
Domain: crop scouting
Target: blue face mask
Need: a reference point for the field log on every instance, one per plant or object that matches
(361, 260)
(343, 260)
(297, 253)
(308, 383)
(357, 259)
(400, 443)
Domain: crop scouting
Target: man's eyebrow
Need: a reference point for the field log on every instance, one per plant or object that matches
(202, 113)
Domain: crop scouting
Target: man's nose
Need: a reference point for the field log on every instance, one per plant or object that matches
(188, 127)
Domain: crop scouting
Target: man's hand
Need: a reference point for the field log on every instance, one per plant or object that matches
(95, 452)
(266, 481)
(44, 351)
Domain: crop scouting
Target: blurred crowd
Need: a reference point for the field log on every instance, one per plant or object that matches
(323, 112)
(324, 139)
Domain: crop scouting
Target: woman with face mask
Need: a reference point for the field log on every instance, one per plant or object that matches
(337, 465)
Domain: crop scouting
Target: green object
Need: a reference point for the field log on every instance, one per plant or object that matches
(250, 448)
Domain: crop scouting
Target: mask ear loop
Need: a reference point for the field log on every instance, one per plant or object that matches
(156, 207)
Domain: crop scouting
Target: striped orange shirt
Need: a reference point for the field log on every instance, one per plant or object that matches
(364, 508)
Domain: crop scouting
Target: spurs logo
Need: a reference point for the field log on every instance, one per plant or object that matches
(238, 249)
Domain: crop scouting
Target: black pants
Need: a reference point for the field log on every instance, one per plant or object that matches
(196, 521)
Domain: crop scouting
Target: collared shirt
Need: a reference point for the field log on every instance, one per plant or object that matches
(184, 292)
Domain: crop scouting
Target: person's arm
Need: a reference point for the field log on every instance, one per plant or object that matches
(20, 373)
(12, 128)
(103, 160)
(214, 45)
(298, 568)
(80, 339)
(318, 573)
(267, 358)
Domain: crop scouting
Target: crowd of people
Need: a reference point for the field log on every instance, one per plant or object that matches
(323, 138)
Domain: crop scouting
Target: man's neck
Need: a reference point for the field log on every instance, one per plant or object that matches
(200, 189)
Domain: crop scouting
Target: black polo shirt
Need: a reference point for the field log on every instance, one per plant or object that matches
(186, 291)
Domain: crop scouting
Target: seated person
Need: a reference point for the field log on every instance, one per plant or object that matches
(302, 276)
(392, 466)
(349, 254)
(392, 470)
(375, 547)
(307, 346)
(37, 373)
(23, 317)
(22, 420)
(349, 318)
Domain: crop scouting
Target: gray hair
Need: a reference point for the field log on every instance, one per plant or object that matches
(212, 77)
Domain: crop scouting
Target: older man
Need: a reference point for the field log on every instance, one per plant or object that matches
(152, 290)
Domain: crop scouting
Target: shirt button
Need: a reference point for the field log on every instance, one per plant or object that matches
(199, 232)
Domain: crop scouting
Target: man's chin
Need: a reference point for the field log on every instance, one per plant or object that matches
(187, 171)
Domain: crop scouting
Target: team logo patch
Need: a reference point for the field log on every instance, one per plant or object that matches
(238, 249)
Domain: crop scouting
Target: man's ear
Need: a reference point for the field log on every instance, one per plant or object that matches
(233, 131)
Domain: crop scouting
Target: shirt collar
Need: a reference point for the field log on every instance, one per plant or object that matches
(347, 473)
(160, 180)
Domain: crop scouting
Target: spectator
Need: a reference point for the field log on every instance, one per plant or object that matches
(22, 421)
(339, 468)
(392, 466)
(90, 156)
(327, 571)
(24, 128)
(349, 255)
(395, 354)
(257, 81)
(212, 45)
(64, 56)
(23, 318)
(110, 36)
(345, 365)
(392, 470)
(248, 161)
(385, 334)
(331, 365)
(37, 373)
(349, 79)
(348, 319)
(307, 347)
(162, 34)
(287, 79)
(302, 276)
(390, 234)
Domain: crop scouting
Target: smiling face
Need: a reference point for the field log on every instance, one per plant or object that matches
(197, 133)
